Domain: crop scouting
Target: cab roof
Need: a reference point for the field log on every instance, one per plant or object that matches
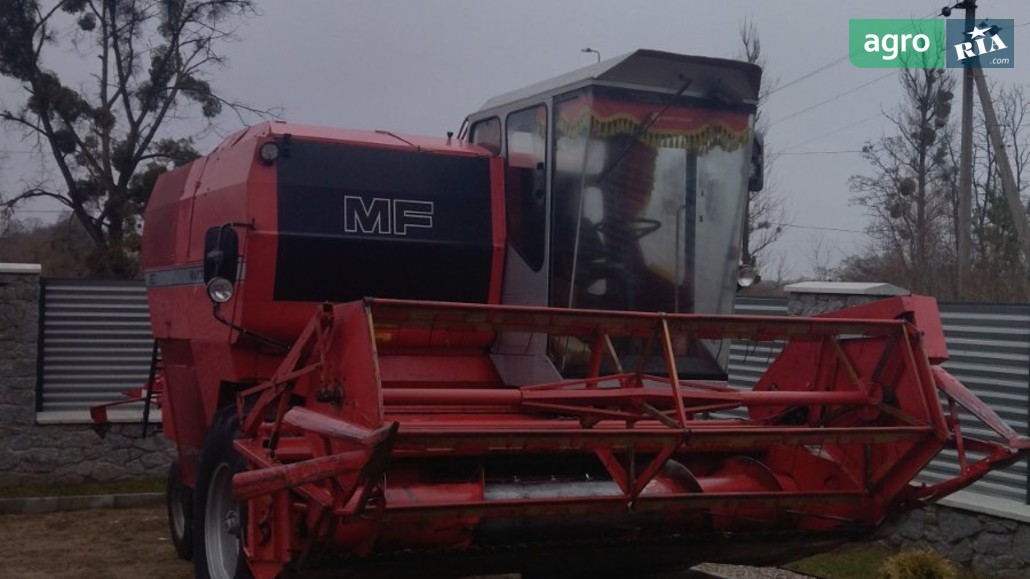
(649, 69)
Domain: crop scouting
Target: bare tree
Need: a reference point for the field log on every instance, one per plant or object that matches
(1014, 114)
(999, 271)
(910, 191)
(766, 209)
(107, 137)
(61, 248)
(820, 260)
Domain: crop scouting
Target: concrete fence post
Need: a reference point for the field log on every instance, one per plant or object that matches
(811, 298)
(19, 337)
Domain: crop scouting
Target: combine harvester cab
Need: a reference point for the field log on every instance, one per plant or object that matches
(506, 351)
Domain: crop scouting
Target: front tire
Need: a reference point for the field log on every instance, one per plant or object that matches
(219, 520)
(179, 499)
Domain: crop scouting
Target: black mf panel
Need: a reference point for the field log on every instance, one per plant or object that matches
(357, 222)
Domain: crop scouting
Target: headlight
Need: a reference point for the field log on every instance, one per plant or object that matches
(220, 290)
(746, 276)
(268, 152)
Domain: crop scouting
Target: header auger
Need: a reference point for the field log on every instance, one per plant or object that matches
(538, 382)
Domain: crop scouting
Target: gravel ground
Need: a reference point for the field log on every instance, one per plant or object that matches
(98, 544)
(134, 543)
(741, 572)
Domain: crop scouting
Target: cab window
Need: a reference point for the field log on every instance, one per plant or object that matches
(525, 183)
(487, 134)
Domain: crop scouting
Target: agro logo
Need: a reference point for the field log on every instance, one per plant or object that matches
(988, 44)
(890, 45)
(895, 43)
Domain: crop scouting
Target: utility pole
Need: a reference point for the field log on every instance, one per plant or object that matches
(973, 73)
(1008, 179)
(965, 175)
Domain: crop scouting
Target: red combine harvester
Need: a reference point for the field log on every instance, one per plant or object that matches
(537, 383)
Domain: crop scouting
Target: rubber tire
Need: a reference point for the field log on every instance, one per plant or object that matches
(179, 497)
(217, 455)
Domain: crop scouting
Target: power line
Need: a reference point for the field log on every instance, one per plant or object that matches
(17, 210)
(850, 150)
(828, 133)
(837, 61)
(833, 98)
(795, 226)
(807, 75)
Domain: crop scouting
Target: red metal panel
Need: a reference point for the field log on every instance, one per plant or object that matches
(922, 311)
(438, 371)
(359, 365)
(499, 228)
(184, 408)
(927, 318)
(375, 139)
(162, 218)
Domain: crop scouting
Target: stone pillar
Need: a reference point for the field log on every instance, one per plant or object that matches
(43, 451)
(19, 336)
(811, 298)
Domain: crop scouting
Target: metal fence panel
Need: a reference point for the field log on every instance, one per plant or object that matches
(749, 360)
(96, 342)
(989, 352)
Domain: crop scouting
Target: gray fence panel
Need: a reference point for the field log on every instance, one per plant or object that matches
(748, 360)
(96, 342)
(989, 352)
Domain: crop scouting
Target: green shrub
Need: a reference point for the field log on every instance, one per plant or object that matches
(917, 565)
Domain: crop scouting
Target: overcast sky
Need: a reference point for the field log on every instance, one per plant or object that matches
(420, 66)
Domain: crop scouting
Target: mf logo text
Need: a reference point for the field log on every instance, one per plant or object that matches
(384, 216)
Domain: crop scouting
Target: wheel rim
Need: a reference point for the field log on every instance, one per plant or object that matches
(178, 512)
(221, 525)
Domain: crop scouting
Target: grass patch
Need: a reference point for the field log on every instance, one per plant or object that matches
(848, 562)
(861, 561)
(122, 487)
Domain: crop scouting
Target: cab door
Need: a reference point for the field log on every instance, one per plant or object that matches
(521, 136)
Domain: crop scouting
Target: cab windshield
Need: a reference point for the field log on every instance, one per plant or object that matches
(648, 200)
